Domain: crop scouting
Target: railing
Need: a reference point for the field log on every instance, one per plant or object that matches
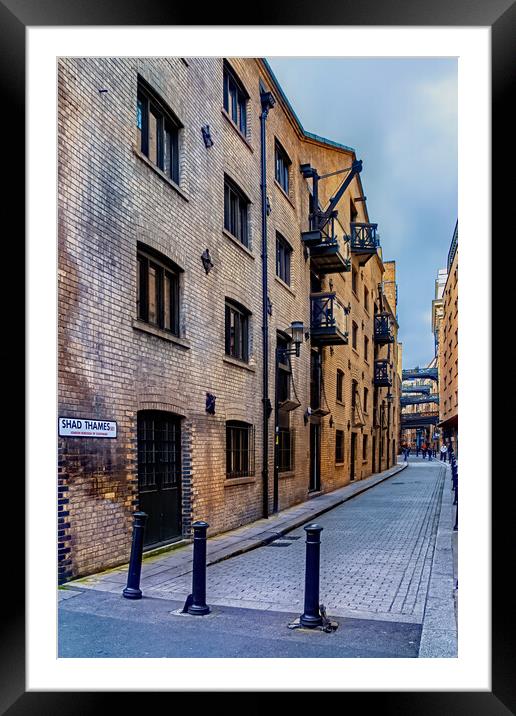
(416, 400)
(417, 389)
(382, 328)
(382, 373)
(327, 314)
(364, 237)
(414, 373)
(414, 419)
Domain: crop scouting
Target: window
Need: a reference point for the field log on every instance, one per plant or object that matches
(364, 447)
(285, 449)
(237, 331)
(366, 299)
(366, 395)
(354, 335)
(239, 449)
(339, 446)
(354, 280)
(158, 132)
(283, 253)
(282, 167)
(235, 211)
(157, 298)
(340, 386)
(354, 388)
(235, 99)
(366, 348)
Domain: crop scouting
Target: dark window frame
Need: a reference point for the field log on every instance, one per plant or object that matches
(340, 386)
(354, 335)
(237, 330)
(236, 211)
(282, 164)
(364, 447)
(339, 446)
(283, 258)
(164, 270)
(235, 99)
(239, 449)
(167, 151)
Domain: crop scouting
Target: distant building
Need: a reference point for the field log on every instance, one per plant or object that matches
(448, 349)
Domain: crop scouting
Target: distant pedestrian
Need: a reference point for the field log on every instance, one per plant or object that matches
(430, 451)
(417, 449)
(444, 451)
(424, 448)
(405, 452)
(450, 452)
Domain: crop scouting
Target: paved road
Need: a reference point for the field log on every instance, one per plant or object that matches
(101, 624)
(379, 578)
(376, 556)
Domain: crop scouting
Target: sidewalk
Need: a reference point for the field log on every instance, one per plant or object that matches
(176, 562)
(439, 633)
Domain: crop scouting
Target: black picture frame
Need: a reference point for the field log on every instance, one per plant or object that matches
(500, 16)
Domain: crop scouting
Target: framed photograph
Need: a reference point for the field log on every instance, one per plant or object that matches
(40, 45)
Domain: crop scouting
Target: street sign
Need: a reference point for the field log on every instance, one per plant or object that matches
(87, 428)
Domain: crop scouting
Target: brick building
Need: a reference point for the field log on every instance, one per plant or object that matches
(448, 350)
(189, 253)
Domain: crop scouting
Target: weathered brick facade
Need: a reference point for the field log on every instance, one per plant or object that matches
(113, 365)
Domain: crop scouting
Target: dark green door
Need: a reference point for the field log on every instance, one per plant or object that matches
(159, 474)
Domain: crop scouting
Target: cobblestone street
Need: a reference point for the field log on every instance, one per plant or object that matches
(376, 554)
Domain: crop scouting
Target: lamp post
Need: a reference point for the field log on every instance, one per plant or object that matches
(296, 332)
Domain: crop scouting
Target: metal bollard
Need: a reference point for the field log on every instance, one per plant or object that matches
(198, 604)
(132, 590)
(311, 616)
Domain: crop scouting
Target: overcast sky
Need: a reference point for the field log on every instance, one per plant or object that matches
(400, 117)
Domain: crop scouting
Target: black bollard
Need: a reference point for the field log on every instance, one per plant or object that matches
(198, 606)
(311, 617)
(133, 591)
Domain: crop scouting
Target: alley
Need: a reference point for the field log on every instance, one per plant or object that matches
(377, 555)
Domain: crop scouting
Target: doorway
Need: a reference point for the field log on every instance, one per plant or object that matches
(353, 456)
(315, 458)
(159, 475)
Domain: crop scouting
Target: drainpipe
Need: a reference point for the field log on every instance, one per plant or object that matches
(267, 102)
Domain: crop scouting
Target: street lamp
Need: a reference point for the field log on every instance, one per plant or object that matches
(296, 331)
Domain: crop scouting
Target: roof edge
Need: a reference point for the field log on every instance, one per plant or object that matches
(307, 135)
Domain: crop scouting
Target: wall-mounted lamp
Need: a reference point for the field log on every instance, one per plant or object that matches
(296, 331)
(206, 261)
